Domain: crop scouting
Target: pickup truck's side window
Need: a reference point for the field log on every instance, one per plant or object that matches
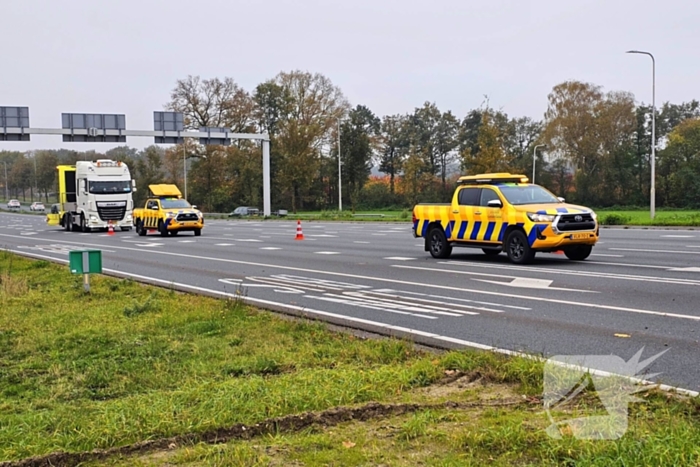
(469, 196)
(487, 194)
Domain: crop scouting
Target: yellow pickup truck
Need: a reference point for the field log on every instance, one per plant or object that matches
(503, 212)
(168, 213)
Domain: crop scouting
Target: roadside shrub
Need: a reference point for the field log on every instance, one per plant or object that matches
(615, 219)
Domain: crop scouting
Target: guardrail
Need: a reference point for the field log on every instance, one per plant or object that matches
(368, 215)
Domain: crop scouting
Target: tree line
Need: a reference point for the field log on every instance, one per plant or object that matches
(597, 148)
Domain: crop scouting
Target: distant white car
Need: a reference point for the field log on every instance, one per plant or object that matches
(13, 204)
(37, 207)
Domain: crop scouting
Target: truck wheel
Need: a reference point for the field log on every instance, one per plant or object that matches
(439, 248)
(69, 223)
(83, 227)
(197, 232)
(162, 229)
(518, 248)
(578, 253)
(139, 229)
(66, 222)
(491, 251)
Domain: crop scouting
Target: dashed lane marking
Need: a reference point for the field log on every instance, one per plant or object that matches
(327, 252)
(399, 258)
(225, 244)
(270, 248)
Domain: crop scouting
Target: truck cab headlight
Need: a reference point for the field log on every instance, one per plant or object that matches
(534, 217)
(93, 218)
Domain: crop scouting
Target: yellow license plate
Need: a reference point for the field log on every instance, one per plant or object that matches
(579, 236)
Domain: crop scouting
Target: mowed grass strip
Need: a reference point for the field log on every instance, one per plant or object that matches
(660, 434)
(129, 363)
(663, 218)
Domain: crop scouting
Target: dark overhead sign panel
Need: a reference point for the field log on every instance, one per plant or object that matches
(14, 117)
(96, 126)
(216, 136)
(168, 121)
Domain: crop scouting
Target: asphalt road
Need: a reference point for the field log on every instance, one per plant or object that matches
(643, 285)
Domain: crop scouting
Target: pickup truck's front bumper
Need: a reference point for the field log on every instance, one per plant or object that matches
(174, 224)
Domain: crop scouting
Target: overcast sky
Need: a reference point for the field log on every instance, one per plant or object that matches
(124, 56)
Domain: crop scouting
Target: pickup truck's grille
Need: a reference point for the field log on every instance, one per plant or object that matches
(111, 213)
(187, 217)
(570, 222)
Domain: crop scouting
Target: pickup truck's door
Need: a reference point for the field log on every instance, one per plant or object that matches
(463, 214)
(151, 214)
(491, 218)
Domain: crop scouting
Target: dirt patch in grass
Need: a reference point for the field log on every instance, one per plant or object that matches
(287, 424)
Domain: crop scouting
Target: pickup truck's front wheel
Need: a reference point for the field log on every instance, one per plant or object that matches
(578, 253)
(437, 243)
(518, 248)
(162, 229)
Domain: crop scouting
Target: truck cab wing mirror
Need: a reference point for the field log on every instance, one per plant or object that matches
(495, 203)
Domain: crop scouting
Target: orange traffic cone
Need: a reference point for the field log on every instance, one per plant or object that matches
(110, 229)
(300, 234)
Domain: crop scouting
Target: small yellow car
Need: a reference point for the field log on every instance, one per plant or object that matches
(503, 212)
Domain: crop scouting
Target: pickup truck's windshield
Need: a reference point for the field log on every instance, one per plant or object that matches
(527, 194)
(120, 186)
(174, 204)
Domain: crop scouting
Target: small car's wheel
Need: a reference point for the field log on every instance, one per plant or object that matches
(579, 252)
(437, 242)
(197, 232)
(491, 251)
(518, 248)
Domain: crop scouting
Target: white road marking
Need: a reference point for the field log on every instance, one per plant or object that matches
(586, 304)
(399, 258)
(679, 236)
(225, 244)
(692, 246)
(323, 235)
(529, 283)
(149, 244)
(691, 269)
(187, 241)
(28, 233)
(270, 248)
(569, 272)
(362, 243)
(609, 256)
(379, 235)
(656, 251)
(250, 240)
(327, 252)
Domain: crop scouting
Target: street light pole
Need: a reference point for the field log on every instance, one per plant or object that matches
(340, 184)
(652, 189)
(534, 159)
(184, 164)
(7, 197)
(36, 183)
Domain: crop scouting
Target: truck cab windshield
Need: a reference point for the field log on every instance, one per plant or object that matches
(174, 204)
(527, 194)
(120, 186)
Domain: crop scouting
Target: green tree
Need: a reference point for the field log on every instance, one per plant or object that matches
(679, 165)
(490, 155)
(356, 140)
(394, 144)
(46, 162)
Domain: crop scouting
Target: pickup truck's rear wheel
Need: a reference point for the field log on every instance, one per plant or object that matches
(139, 228)
(437, 243)
(579, 252)
(518, 248)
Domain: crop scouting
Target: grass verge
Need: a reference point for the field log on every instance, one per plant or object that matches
(129, 363)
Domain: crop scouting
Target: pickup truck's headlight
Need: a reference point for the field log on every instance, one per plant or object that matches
(171, 214)
(534, 217)
(594, 215)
